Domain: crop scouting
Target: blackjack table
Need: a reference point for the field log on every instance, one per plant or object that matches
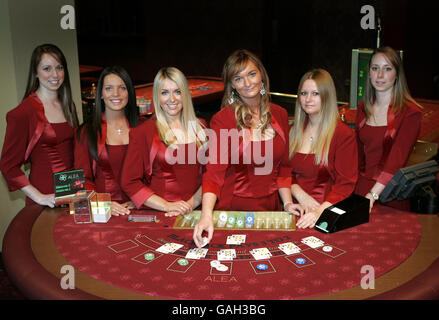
(203, 89)
(393, 256)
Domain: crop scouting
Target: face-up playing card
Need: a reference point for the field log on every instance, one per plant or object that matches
(196, 253)
(313, 242)
(289, 248)
(169, 247)
(260, 253)
(236, 239)
(226, 254)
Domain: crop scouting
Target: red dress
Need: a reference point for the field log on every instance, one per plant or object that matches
(384, 150)
(336, 181)
(237, 184)
(30, 138)
(102, 175)
(147, 171)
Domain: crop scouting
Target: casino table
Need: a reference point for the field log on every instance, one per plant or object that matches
(203, 89)
(110, 262)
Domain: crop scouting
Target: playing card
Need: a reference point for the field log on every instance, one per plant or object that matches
(226, 254)
(313, 242)
(196, 253)
(260, 253)
(289, 248)
(169, 247)
(236, 239)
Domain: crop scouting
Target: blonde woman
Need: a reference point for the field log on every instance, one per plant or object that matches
(260, 125)
(387, 124)
(154, 173)
(323, 150)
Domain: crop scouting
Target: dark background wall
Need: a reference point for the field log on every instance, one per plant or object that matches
(289, 36)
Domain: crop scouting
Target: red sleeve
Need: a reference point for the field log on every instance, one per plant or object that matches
(344, 166)
(213, 177)
(83, 159)
(284, 179)
(402, 146)
(14, 149)
(135, 169)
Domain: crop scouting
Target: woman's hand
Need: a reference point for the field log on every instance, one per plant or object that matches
(177, 208)
(294, 208)
(205, 224)
(371, 201)
(121, 209)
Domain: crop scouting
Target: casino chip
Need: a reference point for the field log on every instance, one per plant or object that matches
(300, 261)
(327, 248)
(149, 256)
(182, 262)
(262, 266)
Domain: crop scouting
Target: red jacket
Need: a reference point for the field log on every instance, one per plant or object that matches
(336, 181)
(401, 134)
(256, 186)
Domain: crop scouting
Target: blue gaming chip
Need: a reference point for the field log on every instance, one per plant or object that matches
(262, 266)
(300, 261)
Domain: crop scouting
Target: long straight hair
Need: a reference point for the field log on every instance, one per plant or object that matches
(64, 91)
(188, 118)
(400, 92)
(94, 126)
(234, 64)
(328, 117)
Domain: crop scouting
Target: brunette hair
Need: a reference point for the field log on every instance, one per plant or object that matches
(234, 64)
(64, 91)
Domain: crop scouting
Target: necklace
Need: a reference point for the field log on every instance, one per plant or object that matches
(118, 130)
(311, 139)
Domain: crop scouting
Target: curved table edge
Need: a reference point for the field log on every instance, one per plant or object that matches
(23, 269)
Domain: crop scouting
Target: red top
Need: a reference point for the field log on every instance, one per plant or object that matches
(336, 181)
(382, 151)
(30, 138)
(230, 173)
(102, 175)
(147, 171)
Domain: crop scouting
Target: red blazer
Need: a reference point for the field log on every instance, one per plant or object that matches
(25, 125)
(400, 137)
(146, 171)
(216, 173)
(99, 175)
(336, 181)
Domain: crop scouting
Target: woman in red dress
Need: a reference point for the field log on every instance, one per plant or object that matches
(102, 142)
(248, 152)
(387, 124)
(323, 150)
(40, 129)
(161, 169)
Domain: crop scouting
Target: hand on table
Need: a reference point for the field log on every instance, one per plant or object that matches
(309, 203)
(46, 200)
(177, 208)
(294, 208)
(308, 220)
(205, 224)
(121, 209)
(372, 201)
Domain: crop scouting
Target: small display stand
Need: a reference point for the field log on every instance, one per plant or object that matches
(101, 207)
(80, 207)
(235, 220)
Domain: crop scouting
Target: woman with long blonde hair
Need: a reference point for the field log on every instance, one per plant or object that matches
(250, 122)
(387, 124)
(152, 177)
(323, 150)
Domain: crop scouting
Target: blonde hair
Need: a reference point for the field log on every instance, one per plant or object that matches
(400, 92)
(328, 117)
(188, 118)
(234, 64)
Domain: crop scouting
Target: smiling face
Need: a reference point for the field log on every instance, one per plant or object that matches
(50, 73)
(171, 100)
(382, 73)
(248, 82)
(309, 97)
(114, 93)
